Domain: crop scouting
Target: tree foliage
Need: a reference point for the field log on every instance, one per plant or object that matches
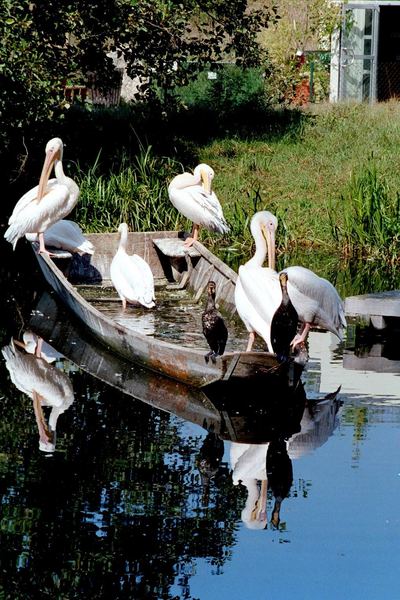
(163, 42)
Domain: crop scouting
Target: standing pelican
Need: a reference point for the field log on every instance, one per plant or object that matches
(46, 203)
(65, 235)
(258, 293)
(131, 275)
(316, 301)
(193, 197)
(314, 298)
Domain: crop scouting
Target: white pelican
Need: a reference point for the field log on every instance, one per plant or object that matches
(45, 384)
(46, 203)
(34, 344)
(131, 275)
(316, 301)
(65, 235)
(248, 462)
(258, 293)
(193, 197)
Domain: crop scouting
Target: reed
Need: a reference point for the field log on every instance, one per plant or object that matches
(371, 217)
(135, 192)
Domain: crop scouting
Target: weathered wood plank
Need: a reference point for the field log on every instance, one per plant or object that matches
(174, 247)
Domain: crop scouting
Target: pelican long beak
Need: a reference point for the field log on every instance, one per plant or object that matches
(206, 181)
(270, 239)
(260, 510)
(51, 156)
(45, 434)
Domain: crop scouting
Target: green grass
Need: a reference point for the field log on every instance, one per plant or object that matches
(304, 177)
(306, 173)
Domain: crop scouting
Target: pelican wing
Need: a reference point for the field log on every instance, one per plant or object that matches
(32, 216)
(316, 300)
(66, 235)
(132, 278)
(210, 209)
(30, 373)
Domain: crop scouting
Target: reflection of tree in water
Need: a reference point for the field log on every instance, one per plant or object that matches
(141, 523)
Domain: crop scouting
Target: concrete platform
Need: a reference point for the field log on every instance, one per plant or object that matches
(374, 308)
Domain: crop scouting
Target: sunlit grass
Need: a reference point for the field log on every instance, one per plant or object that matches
(305, 176)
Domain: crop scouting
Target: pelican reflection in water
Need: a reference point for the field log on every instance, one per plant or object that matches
(33, 374)
(264, 440)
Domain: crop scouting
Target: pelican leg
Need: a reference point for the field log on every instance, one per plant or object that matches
(42, 248)
(39, 345)
(300, 338)
(123, 304)
(194, 237)
(252, 337)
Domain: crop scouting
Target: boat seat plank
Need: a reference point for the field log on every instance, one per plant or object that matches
(175, 248)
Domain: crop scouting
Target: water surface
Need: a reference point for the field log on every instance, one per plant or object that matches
(155, 498)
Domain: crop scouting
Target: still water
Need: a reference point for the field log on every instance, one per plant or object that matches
(245, 494)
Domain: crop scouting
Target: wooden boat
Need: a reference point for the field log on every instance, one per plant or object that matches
(174, 268)
(218, 408)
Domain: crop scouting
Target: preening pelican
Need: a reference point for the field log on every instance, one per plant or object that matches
(46, 203)
(258, 293)
(45, 384)
(131, 275)
(65, 235)
(316, 301)
(34, 344)
(193, 197)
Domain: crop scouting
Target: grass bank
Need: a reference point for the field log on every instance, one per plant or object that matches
(308, 174)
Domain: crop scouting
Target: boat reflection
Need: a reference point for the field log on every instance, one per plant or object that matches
(267, 428)
(33, 374)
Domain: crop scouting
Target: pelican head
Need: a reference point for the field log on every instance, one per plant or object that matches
(267, 223)
(205, 174)
(54, 151)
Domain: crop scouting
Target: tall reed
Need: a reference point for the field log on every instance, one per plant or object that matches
(371, 217)
(134, 192)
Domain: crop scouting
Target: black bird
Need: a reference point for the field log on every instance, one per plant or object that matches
(214, 328)
(284, 322)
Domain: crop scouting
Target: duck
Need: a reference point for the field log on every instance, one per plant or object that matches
(131, 275)
(65, 235)
(45, 204)
(214, 328)
(192, 195)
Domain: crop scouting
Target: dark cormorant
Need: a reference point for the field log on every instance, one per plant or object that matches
(284, 322)
(214, 328)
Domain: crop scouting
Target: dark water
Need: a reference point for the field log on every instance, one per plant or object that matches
(154, 498)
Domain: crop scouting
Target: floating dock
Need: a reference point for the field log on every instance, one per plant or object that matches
(374, 309)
